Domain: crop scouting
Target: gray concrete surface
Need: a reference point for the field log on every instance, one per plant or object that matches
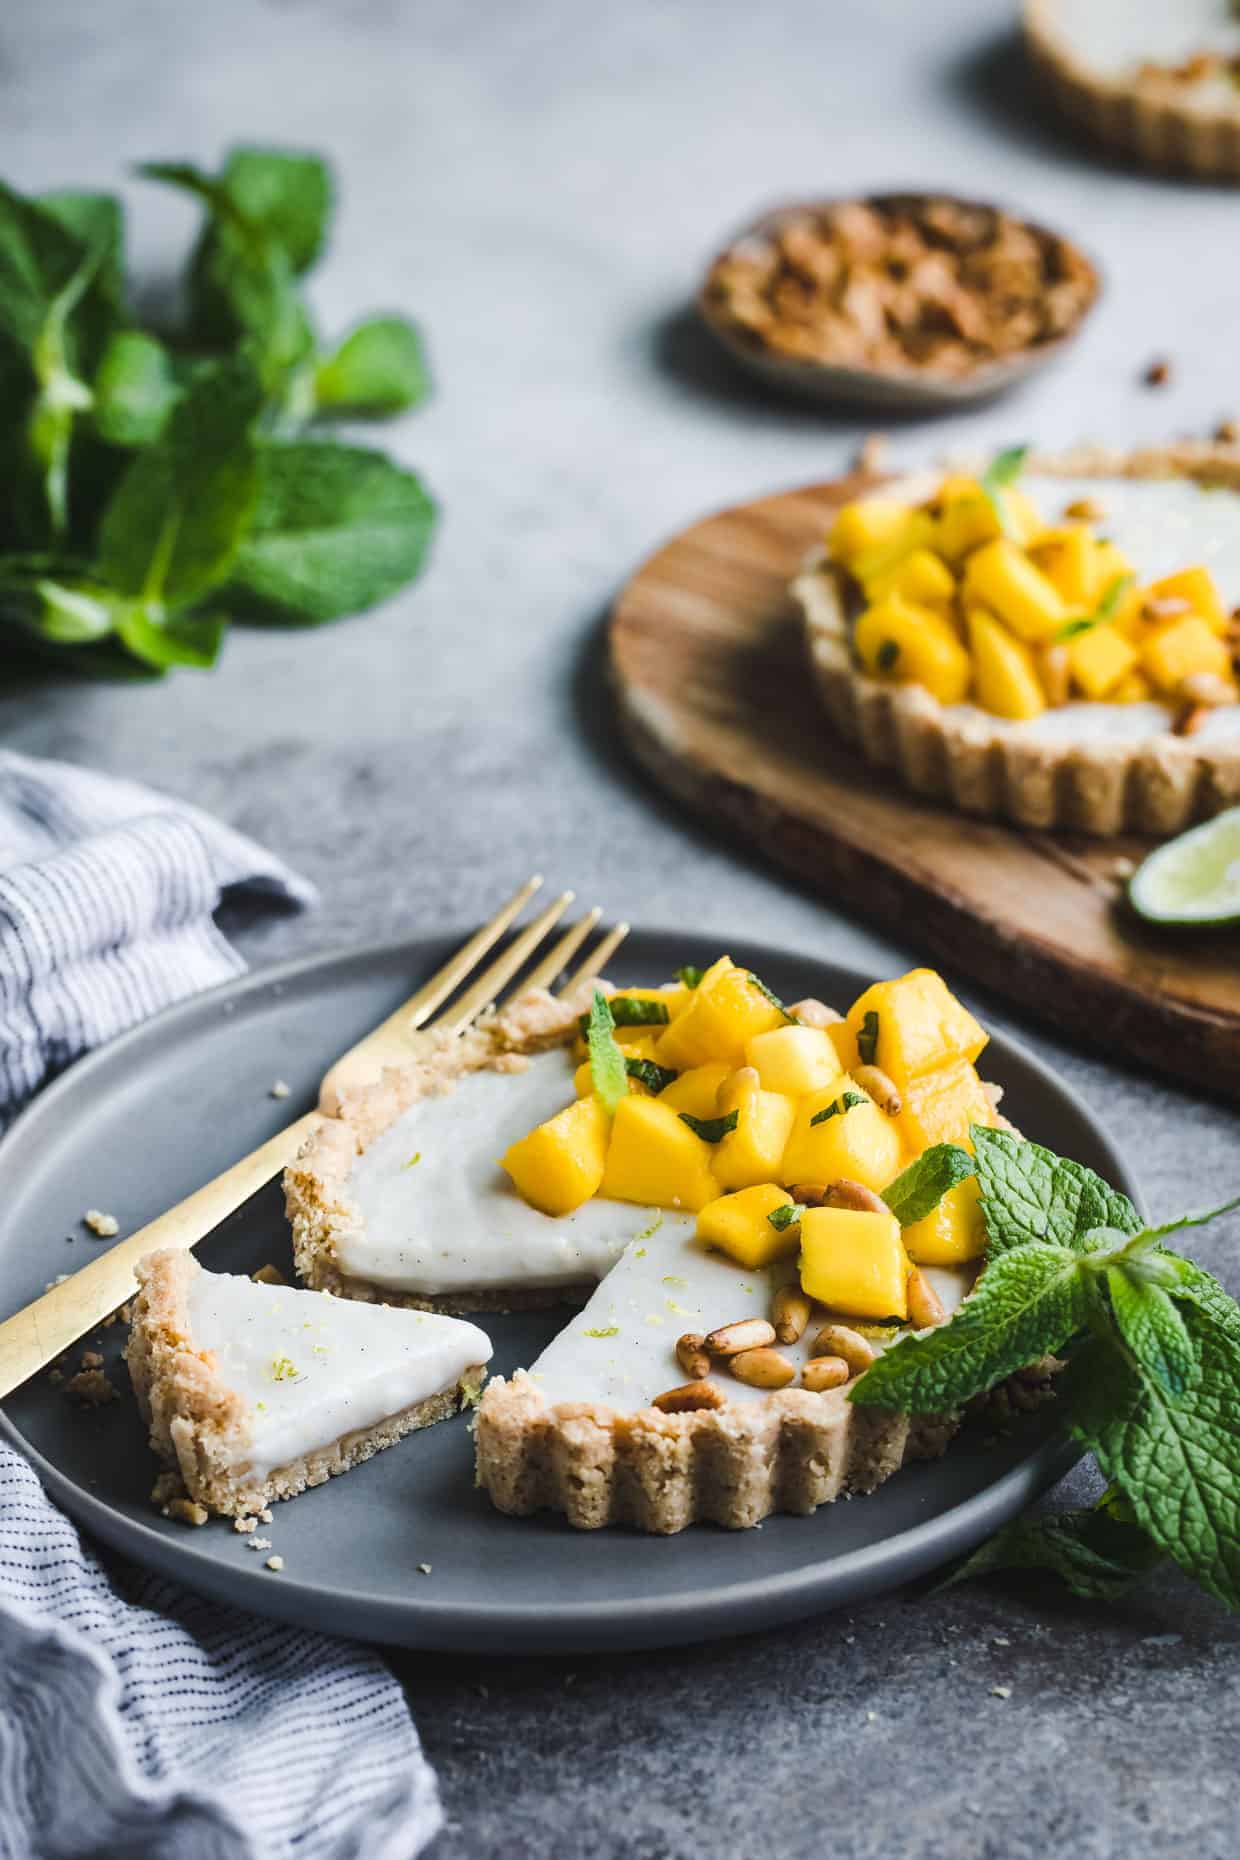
(540, 182)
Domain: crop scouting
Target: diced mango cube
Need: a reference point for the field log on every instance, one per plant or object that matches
(844, 1040)
(1135, 689)
(738, 1224)
(867, 524)
(1067, 557)
(1183, 647)
(1196, 586)
(918, 1026)
(695, 1091)
(560, 1164)
(653, 1157)
(914, 645)
(1099, 659)
(795, 1060)
(754, 1151)
(854, 1262)
(921, 577)
(940, 1106)
(951, 1233)
(968, 518)
(918, 532)
(1005, 679)
(1001, 577)
(727, 1009)
(853, 1140)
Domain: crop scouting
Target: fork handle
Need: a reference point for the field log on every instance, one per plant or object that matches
(34, 1337)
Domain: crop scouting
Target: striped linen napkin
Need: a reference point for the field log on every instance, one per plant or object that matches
(137, 1720)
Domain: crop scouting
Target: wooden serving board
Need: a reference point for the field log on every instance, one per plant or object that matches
(716, 701)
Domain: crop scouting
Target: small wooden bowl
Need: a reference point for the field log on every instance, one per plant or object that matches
(909, 387)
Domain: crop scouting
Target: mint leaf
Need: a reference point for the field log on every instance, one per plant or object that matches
(1176, 1458)
(918, 1190)
(1113, 594)
(38, 258)
(1027, 1304)
(1194, 1285)
(849, 1102)
(1004, 469)
(285, 194)
(607, 1069)
(711, 1129)
(378, 369)
(173, 526)
(182, 639)
(654, 1078)
(1096, 1553)
(867, 1037)
(787, 1216)
(690, 976)
(1153, 1330)
(336, 529)
(633, 1011)
(1029, 1193)
(771, 996)
(134, 389)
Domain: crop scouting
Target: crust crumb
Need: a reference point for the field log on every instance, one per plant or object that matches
(274, 1562)
(269, 1275)
(186, 1511)
(92, 1388)
(106, 1226)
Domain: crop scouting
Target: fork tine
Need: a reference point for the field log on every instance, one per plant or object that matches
(433, 993)
(557, 957)
(598, 958)
(488, 985)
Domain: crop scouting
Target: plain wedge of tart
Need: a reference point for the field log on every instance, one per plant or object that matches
(254, 1392)
(1047, 641)
(1154, 78)
(696, 1173)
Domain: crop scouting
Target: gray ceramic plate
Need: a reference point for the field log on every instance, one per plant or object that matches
(135, 1127)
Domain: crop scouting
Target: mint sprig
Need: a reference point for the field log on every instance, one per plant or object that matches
(1152, 1387)
(1002, 472)
(918, 1190)
(608, 1073)
(1106, 609)
(1097, 1552)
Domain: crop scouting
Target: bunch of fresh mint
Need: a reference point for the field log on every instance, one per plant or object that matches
(1152, 1384)
(155, 482)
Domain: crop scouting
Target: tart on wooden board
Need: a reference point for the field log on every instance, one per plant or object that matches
(1050, 641)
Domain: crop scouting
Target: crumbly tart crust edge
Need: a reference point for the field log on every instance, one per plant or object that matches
(316, 1183)
(197, 1422)
(791, 1451)
(1164, 130)
(1157, 787)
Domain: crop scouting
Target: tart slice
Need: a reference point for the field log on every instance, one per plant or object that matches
(254, 1392)
(1058, 651)
(1157, 80)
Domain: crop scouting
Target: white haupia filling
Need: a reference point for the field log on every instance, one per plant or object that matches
(311, 1368)
(1116, 37)
(1162, 525)
(453, 1219)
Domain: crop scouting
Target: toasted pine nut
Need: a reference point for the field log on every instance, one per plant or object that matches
(810, 1194)
(849, 1194)
(762, 1369)
(737, 1089)
(814, 1013)
(1084, 510)
(692, 1355)
(825, 1372)
(839, 1340)
(925, 1307)
(1054, 672)
(882, 1089)
(1165, 607)
(745, 1334)
(1191, 720)
(689, 1397)
(790, 1310)
(1206, 688)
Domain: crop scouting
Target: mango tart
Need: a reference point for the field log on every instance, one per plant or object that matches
(1158, 82)
(697, 1172)
(1051, 640)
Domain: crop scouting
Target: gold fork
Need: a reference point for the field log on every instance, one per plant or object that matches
(34, 1337)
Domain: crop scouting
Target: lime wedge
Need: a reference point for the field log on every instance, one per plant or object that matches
(1193, 879)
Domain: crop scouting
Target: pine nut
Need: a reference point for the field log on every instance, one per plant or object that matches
(849, 1194)
(925, 1307)
(1055, 673)
(790, 1310)
(810, 1194)
(737, 1089)
(762, 1369)
(839, 1340)
(1191, 720)
(1084, 510)
(689, 1398)
(825, 1372)
(1206, 688)
(692, 1355)
(745, 1334)
(813, 1013)
(881, 1088)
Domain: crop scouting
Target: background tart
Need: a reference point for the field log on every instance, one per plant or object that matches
(1152, 78)
(1100, 768)
(253, 1392)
